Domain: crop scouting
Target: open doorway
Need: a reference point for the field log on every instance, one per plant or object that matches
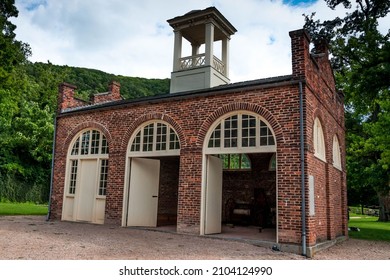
(153, 192)
(152, 176)
(245, 145)
(249, 196)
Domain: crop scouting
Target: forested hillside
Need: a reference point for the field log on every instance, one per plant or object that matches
(90, 81)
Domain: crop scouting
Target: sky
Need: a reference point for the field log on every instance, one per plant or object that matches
(133, 38)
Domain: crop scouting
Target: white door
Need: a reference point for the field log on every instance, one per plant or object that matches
(143, 194)
(213, 209)
(87, 190)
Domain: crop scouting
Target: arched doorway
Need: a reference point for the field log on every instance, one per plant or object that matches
(239, 174)
(152, 176)
(86, 178)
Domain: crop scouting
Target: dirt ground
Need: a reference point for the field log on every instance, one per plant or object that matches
(32, 238)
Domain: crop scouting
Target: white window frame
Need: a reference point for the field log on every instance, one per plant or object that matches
(319, 140)
(154, 152)
(258, 148)
(336, 153)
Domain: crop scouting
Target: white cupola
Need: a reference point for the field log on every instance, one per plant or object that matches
(200, 70)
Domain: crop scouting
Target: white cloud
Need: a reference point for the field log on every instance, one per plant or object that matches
(132, 37)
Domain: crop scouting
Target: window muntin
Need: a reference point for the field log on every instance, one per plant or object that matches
(148, 138)
(241, 131)
(103, 177)
(266, 137)
(93, 142)
(173, 140)
(155, 137)
(215, 138)
(231, 132)
(85, 142)
(248, 131)
(73, 176)
(75, 149)
(136, 147)
(319, 141)
(235, 161)
(161, 140)
(336, 153)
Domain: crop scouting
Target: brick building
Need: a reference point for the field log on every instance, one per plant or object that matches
(211, 156)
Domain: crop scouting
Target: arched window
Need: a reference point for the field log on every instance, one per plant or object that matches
(241, 131)
(236, 162)
(318, 140)
(336, 153)
(155, 138)
(86, 178)
(89, 144)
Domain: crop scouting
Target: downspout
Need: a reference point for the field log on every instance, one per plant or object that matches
(52, 168)
(303, 193)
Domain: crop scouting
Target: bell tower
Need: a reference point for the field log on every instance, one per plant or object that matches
(200, 70)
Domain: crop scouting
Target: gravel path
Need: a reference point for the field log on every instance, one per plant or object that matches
(31, 237)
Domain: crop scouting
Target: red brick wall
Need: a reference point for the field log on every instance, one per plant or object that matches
(113, 94)
(66, 97)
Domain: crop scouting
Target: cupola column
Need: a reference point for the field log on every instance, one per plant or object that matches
(225, 55)
(177, 50)
(209, 43)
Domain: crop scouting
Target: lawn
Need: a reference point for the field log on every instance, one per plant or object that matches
(7, 208)
(370, 228)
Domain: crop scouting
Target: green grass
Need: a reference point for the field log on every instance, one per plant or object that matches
(370, 228)
(8, 208)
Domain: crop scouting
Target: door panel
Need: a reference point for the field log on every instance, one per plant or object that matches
(213, 217)
(143, 194)
(86, 190)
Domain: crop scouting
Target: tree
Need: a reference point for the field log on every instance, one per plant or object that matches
(361, 60)
(12, 52)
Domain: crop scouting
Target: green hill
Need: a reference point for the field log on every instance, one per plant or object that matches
(90, 81)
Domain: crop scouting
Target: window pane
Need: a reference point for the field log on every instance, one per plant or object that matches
(95, 142)
(85, 143)
(103, 177)
(104, 145)
(161, 137)
(73, 177)
(75, 149)
(266, 136)
(248, 131)
(272, 164)
(173, 140)
(231, 131)
(245, 162)
(215, 139)
(148, 138)
(136, 146)
(235, 161)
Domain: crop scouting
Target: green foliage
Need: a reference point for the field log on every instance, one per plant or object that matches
(361, 59)
(7, 208)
